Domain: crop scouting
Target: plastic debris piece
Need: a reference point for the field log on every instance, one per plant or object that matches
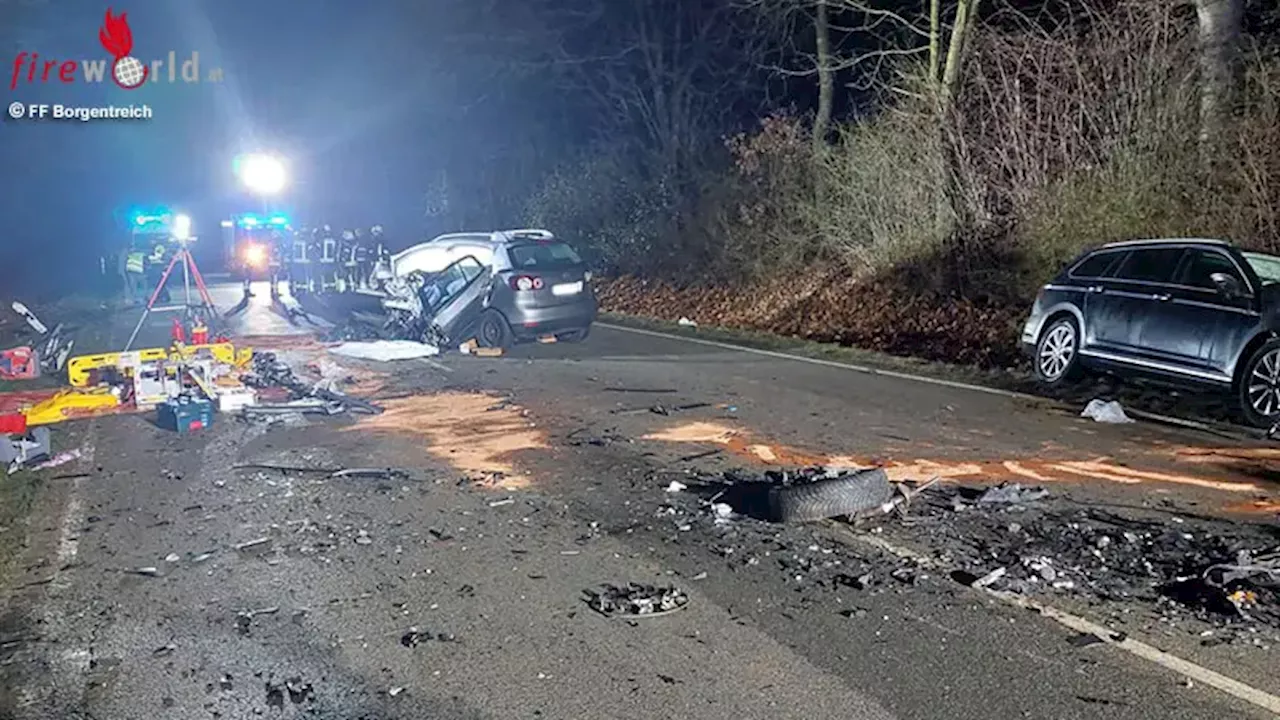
(1110, 412)
(385, 350)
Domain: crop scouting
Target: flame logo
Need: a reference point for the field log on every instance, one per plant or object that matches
(117, 39)
(115, 35)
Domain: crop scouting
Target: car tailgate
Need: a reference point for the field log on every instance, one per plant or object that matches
(558, 287)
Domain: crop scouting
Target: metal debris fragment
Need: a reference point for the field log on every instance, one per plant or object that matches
(991, 577)
(1011, 494)
(252, 543)
(414, 637)
(636, 600)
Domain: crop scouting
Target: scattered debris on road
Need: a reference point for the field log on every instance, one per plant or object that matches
(351, 331)
(1017, 539)
(271, 372)
(1010, 494)
(26, 450)
(636, 600)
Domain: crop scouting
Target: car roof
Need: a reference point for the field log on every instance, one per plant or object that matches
(1165, 241)
(497, 237)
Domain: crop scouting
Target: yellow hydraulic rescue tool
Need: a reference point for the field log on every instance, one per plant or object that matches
(86, 370)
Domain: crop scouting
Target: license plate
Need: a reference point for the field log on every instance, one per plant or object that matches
(572, 288)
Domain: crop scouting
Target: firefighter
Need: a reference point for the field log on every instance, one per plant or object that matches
(347, 258)
(246, 272)
(300, 267)
(328, 258)
(133, 267)
(275, 260)
(364, 258)
(376, 253)
(155, 267)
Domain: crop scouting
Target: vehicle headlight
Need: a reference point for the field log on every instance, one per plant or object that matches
(255, 255)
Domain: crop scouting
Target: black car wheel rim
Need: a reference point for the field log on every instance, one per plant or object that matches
(1264, 385)
(490, 332)
(1056, 351)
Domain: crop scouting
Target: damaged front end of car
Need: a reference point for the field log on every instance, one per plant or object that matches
(437, 308)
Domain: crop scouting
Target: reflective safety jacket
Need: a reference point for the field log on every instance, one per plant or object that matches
(135, 262)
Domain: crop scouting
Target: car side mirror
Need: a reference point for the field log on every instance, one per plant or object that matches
(1227, 285)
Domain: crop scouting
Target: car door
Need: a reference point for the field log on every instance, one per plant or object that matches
(1221, 322)
(1116, 307)
(1090, 276)
(463, 287)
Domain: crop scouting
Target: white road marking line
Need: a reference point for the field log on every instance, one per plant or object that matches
(1138, 414)
(1137, 648)
(73, 514)
(437, 365)
(68, 539)
(832, 363)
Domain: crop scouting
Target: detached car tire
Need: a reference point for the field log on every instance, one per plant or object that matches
(1057, 354)
(1259, 391)
(493, 331)
(847, 495)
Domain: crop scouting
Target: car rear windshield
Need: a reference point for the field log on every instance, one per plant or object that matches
(543, 256)
(1266, 266)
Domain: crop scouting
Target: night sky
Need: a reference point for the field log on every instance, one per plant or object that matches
(425, 117)
(337, 88)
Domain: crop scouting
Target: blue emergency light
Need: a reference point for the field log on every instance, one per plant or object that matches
(250, 221)
(279, 220)
(142, 220)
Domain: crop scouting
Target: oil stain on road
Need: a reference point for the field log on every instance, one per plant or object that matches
(745, 445)
(475, 433)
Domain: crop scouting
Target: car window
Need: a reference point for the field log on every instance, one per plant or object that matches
(446, 284)
(1266, 266)
(424, 258)
(1200, 265)
(1150, 265)
(1097, 265)
(543, 256)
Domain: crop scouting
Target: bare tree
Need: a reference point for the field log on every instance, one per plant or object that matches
(671, 73)
(1220, 24)
(825, 66)
(866, 42)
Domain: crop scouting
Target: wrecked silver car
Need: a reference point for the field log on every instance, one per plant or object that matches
(499, 288)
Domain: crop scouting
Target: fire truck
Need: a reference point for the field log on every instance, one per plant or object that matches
(253, 245)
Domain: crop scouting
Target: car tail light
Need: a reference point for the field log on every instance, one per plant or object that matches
(526, 282)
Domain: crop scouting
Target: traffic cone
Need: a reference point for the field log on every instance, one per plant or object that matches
(199, 333)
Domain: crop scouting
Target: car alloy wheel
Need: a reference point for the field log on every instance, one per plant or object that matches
(491, 334)
(1264, 384)
(1057, 351)
(493, 331)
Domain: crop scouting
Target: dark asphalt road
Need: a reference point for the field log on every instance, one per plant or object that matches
(350, 565)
